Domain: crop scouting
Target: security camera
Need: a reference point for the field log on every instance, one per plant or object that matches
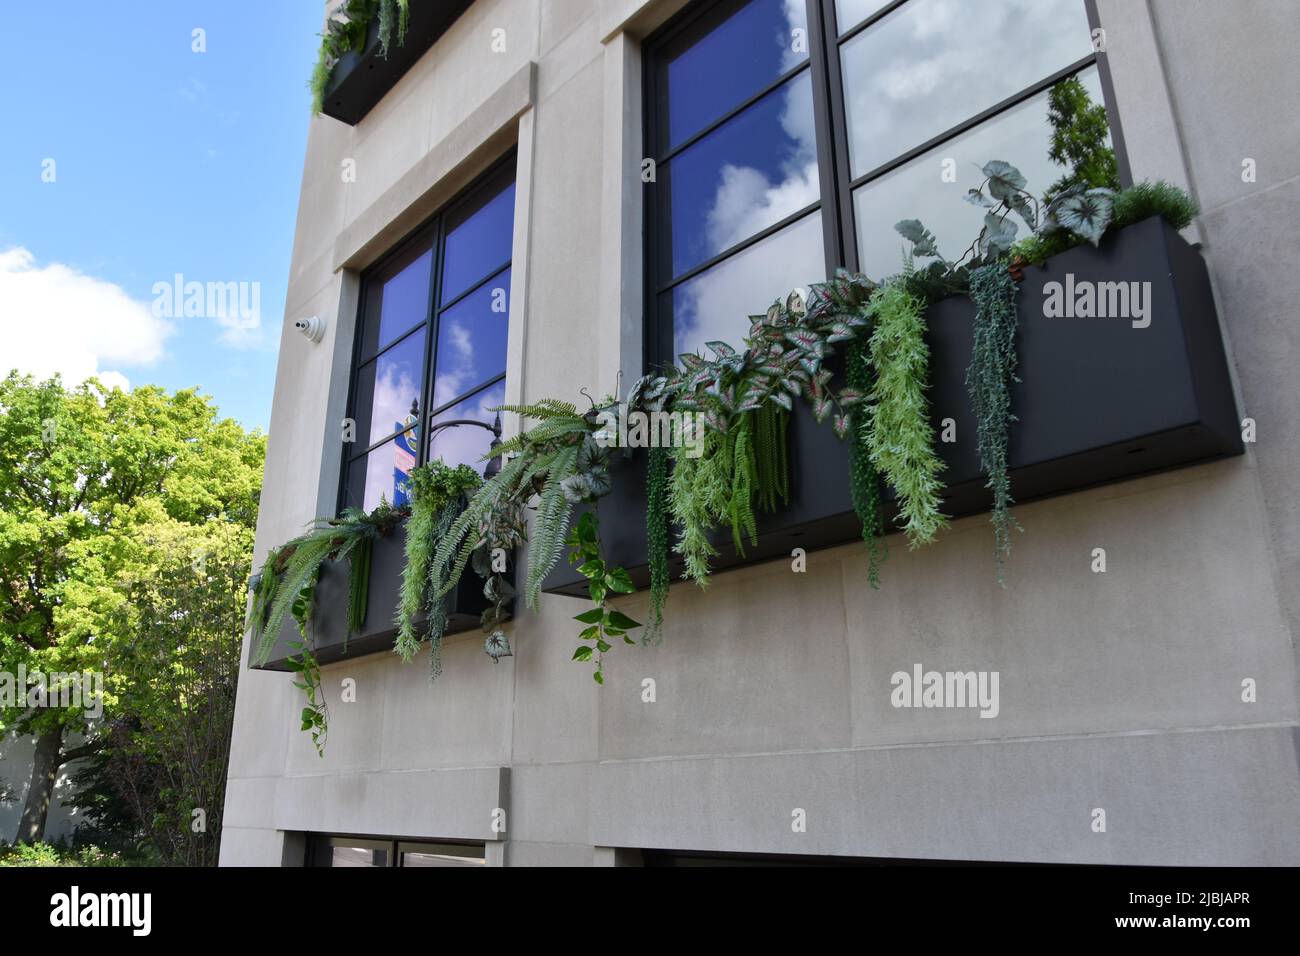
(313, 327)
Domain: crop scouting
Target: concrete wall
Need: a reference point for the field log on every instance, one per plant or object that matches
(16, 772)
(1119, 691)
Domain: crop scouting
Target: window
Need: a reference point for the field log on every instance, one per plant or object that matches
(790, 135)
(431, 346)
(344, 851)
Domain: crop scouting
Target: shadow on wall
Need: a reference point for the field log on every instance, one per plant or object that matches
(15, 773)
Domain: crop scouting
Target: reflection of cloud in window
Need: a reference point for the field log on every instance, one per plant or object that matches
(795, 13)
(913, 191)
(926, 67)
(451, 377)
(746, 201)
(716, 304)
(394, 392)
(466, 444)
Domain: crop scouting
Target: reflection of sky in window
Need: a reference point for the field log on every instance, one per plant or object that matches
(479, 245)
(732, 63)
(751, 172)
(472, 341)
(466, 444)
(717, 304)
(849, 13)
(398, 377)
(405, 301)
(933, 63)
(916, 191)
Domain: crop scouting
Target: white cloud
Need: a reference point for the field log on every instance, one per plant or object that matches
(54, 319)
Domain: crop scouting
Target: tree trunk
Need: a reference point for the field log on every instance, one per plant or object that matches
(45, 770)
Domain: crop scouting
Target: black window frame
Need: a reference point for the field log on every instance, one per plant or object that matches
(319, 852)
(837, 185)
(429, 235)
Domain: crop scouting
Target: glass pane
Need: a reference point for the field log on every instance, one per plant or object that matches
(916, 190)
(357, 856)
(441, 859)
(480, 245)
(403, 304)
(751, 172)
(388, 390)
(472, 341)
(467, 444)
(931, 64)
(733, 62)
(849, 13)
(383, 474)
(717, 304)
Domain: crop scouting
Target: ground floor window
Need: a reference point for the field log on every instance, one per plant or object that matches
(330, 850)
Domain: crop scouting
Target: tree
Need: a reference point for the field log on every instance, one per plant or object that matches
(89, 477)
(1080, 139)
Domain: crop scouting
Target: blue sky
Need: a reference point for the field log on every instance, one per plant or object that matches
(166, 161)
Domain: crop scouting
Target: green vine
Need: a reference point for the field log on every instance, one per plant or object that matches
(657, 535)
(864, 480)
(602, 622)
(898, 432)
(771, 457)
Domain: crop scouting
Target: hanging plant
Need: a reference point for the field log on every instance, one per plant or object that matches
(898, 433)
(657, 519)
(345, 32)
(559, 462)
(989, 379)
(603, 623)
(864, 480)
(502, 531)
(437, 495)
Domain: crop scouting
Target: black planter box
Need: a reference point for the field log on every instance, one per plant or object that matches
(360, 80)
(328, 630)
(1098, 401)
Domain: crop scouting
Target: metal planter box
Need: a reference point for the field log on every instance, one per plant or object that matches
(360, 80)
(1099, 400)
(328, 631)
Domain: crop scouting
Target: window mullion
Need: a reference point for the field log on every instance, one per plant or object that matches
(431, 342)
(837, 219)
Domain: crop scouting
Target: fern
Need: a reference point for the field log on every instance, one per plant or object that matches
(547, 542)
(303, 561)
(988, 379)
(898, 432)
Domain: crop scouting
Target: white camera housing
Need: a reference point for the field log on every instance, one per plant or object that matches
(313, 327)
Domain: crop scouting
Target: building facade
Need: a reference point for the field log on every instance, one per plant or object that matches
(557, 194)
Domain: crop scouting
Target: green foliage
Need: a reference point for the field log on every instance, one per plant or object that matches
(437, 495)
(989, 379)
(864, 480)
(717, 488)
(1080, 140)
(771, 458)
(560, 462)
(56, 855)
(315, 714)
(345, 31)
(602, 622)
(657, 535)
(898, 433)
(1143, 200)
(93, 482)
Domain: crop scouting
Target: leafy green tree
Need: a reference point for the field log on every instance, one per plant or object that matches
(1080, 139)
(91, 480)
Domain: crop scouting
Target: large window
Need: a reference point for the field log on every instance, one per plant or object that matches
(790, 135)
(431, 346)
(324, 850)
